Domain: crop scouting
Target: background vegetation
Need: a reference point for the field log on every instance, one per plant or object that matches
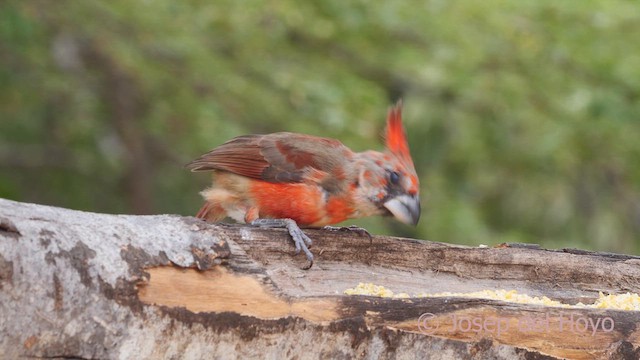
(522, 116)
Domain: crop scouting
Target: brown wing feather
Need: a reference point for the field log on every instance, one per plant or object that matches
(240, 155)
(278, 157)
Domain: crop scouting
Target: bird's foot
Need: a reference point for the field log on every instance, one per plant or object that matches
(351, 228)
(300, 239)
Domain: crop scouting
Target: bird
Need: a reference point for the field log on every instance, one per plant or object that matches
(288, 180)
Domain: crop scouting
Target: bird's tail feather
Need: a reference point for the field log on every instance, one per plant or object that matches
(211, 212)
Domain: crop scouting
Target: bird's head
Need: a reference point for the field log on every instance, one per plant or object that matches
(387, 181)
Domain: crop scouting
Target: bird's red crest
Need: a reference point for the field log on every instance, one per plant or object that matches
(396, 138)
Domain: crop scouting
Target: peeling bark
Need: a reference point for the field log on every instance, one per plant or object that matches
(94, 286)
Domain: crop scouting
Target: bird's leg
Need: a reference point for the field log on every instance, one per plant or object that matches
(300, 239)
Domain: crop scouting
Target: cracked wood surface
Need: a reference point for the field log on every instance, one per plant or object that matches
(85, 285)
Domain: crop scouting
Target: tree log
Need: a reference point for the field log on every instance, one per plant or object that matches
(94, 286)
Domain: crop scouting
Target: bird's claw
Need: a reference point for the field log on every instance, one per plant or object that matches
(352, 228)
(300, 239)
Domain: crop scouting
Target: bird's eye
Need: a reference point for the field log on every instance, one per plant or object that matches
(394, 177)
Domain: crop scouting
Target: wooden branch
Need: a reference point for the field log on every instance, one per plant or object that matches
(85, 285)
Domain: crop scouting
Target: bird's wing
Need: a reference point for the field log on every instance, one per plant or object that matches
(279, 157)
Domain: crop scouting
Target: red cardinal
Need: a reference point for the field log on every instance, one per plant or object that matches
(286, 179)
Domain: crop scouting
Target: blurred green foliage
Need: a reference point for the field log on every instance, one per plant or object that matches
(522, 116)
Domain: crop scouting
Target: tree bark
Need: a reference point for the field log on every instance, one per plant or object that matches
(94, 286)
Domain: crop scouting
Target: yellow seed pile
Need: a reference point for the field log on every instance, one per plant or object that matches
(626, 301)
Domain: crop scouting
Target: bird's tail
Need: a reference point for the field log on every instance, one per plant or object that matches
(211, 212)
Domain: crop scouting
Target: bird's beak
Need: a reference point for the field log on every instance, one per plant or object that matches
(405, 208)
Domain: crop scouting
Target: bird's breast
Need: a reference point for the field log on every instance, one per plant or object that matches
(307, 204)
